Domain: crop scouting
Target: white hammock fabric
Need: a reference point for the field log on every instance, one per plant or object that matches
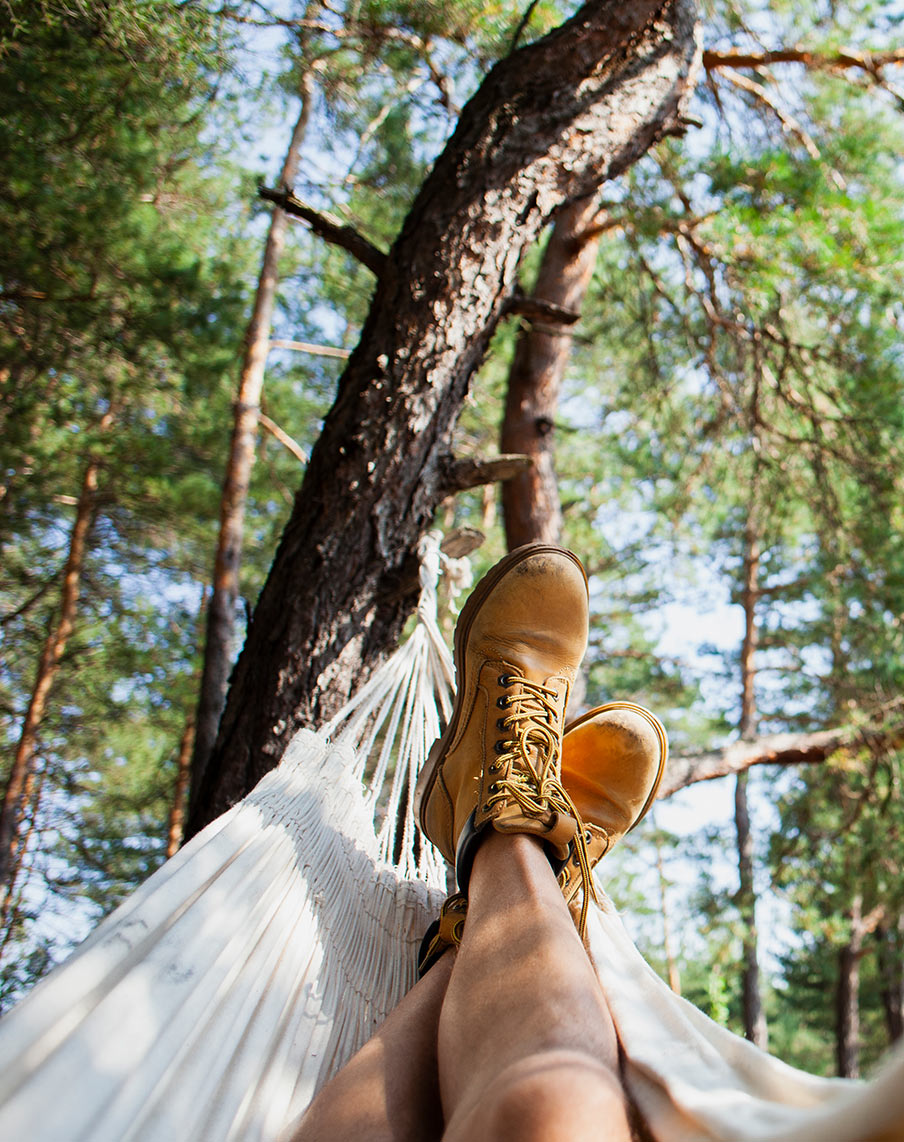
(218, 999)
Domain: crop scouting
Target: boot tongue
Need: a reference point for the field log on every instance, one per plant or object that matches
(538, 660)
(556, 830)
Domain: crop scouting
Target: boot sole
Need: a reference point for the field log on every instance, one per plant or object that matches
(660, 733)
(430, 773)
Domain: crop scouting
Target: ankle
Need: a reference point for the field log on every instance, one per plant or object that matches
(511, 863)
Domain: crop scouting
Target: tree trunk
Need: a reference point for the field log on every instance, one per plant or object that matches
(891, 971)
(754, 1018)
(19, 781)
(670, 962)
(176, 824)
(847, 999)
(550, 123)
(12, 903)
(219, 644)
(530, 501)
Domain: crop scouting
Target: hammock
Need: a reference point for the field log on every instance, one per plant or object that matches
(223, 993)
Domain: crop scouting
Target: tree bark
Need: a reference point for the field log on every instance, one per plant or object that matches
(550, 123)
(28, 822)
(19, 781)
(754, 1018)
(176, 824)
(531, 508)
(890, 939)
(219, 643)
(847, 998)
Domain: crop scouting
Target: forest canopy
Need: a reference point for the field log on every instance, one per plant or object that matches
(694, 338)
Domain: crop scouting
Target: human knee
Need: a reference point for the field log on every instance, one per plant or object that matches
(554, 1095)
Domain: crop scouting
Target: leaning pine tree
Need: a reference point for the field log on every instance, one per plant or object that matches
(550, 123)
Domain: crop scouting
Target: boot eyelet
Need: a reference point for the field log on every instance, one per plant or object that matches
(503, 702)
(494, 788)
(499, 747)
(494, 768)
(504, 680)
(502, 724)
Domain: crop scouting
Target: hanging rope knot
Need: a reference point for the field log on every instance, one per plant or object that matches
(530, 766)
(428, 574)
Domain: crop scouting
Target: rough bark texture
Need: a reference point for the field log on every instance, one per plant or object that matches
(19, 782)
(219, 643)
(550, 123)
(530, 501)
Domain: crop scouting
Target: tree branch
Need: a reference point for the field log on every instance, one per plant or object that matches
(10, 616)
(463, 474)
(328, 227)
(283, 437)
(776, 749)
(788, 122)
(314, 350)
(536, 309)
(869, 62)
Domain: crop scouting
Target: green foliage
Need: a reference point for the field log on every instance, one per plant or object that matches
(742, 329)
(121, 302)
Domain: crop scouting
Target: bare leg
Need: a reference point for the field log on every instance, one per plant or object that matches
(527, 1047)
(389, 1091)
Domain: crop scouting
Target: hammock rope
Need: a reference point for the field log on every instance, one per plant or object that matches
(217, 999)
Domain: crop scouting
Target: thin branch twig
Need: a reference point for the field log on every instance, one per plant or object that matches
(314, 350)
(283, 437)
(328, 227)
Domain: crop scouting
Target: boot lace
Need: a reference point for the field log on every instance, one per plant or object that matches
(533, 779)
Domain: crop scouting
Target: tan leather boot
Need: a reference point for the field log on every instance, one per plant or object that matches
(518, 644)
(444, 933)
(613, 759)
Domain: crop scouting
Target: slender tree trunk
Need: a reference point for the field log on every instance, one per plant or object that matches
(20, 775)
(847, 998)
(12, 904)
(754, 1018)
(219, 645)
(4, 384)
(175, 827)
(550, 123)
(671, 964)
(14, 476)
(530, 501)
(891, 968)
